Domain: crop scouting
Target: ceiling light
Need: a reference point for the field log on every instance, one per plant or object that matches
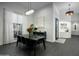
(29, 12)
(69, 12)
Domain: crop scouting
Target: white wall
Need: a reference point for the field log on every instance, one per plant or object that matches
(10, 18)
(27, 20)
(56, 14)
(1, 25)
(75, 20)
(2, 21)
(44, 18)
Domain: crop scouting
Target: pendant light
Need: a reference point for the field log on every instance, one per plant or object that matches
(29, 11)
(69, 12)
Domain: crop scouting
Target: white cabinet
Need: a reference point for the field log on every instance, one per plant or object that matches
(64, 29)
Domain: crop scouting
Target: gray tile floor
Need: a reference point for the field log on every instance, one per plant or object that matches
(70, 48)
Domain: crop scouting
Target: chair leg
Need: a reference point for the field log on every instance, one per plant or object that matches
(17, 43)
(44, 44)
(34, 51)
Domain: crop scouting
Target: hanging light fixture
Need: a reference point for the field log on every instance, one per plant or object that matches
(69, 12)
(30, 11)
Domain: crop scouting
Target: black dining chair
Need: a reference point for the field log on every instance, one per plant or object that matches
(24, 40)
(19, 39)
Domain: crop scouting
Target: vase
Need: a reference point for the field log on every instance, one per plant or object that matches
(30, 34)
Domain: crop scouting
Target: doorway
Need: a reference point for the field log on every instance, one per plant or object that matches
(56, 28)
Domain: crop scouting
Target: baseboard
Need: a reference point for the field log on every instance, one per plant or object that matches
(74, 35)
(62, 41)
(50, 41)
(1, 44)
(9, 43)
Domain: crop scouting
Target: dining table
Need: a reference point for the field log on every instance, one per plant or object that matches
(32, 40)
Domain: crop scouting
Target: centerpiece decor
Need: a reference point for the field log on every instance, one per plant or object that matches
(31, 29)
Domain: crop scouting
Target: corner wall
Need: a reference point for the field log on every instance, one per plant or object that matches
(1, 25)
(45, 17)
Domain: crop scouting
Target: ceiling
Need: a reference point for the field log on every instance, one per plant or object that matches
(21, 7)
(63, 6)
(34, 5)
